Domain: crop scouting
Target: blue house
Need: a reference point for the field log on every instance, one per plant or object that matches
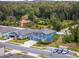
(42, 35)
(37, 35)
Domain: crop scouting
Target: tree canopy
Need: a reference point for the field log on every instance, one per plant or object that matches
(39, 11)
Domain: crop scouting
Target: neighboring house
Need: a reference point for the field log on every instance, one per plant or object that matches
(24, 21)
(42, 35)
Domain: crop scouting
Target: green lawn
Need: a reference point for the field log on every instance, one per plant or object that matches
(1, 38)
(21, 53)
(38, 47)
(7, 49)
(18, 41)
(74, 49)
(37, 26)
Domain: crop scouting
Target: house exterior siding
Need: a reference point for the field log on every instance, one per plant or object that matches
(41, 36)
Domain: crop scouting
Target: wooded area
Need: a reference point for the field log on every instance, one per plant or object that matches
(39, 12)
(53, 15)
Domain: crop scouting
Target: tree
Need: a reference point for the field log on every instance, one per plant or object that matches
(56, 23)
(68, 38)
(73, 36)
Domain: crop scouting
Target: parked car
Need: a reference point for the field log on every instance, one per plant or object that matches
(65, 51)
(60, 50)
(55, 50)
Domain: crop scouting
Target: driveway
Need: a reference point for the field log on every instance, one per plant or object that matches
(29, 43)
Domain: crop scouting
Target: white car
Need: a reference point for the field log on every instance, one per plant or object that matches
(65, 51)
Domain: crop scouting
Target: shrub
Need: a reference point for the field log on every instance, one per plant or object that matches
(68, 38)
(56, 36)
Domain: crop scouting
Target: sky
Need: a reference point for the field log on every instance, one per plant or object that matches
(16, 0)
(39, 0)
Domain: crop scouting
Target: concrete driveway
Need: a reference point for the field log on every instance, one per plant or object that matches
(29, 43)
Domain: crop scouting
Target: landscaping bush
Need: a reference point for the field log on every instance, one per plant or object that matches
(68, 38)
(56, 36)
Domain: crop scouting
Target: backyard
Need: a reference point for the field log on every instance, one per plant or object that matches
(64, 24)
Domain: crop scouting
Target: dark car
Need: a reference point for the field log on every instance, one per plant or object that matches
(55, 50)
(60, 50)
(65, 51)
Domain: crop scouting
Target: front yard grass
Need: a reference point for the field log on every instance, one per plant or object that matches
(1, 38)
(18, 41)
(7, 49)
(74, 49)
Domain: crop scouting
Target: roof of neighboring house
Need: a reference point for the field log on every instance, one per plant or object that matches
(5, 29)
(24, 17)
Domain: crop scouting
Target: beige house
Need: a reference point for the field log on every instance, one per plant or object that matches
(24, 21)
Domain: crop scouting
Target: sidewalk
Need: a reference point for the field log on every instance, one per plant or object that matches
(6, 40)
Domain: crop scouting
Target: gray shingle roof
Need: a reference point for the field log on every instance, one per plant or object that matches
(24, 31)
(6, 29)
(47, 31)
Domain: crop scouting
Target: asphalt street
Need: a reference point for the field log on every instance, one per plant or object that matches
(36, 51)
